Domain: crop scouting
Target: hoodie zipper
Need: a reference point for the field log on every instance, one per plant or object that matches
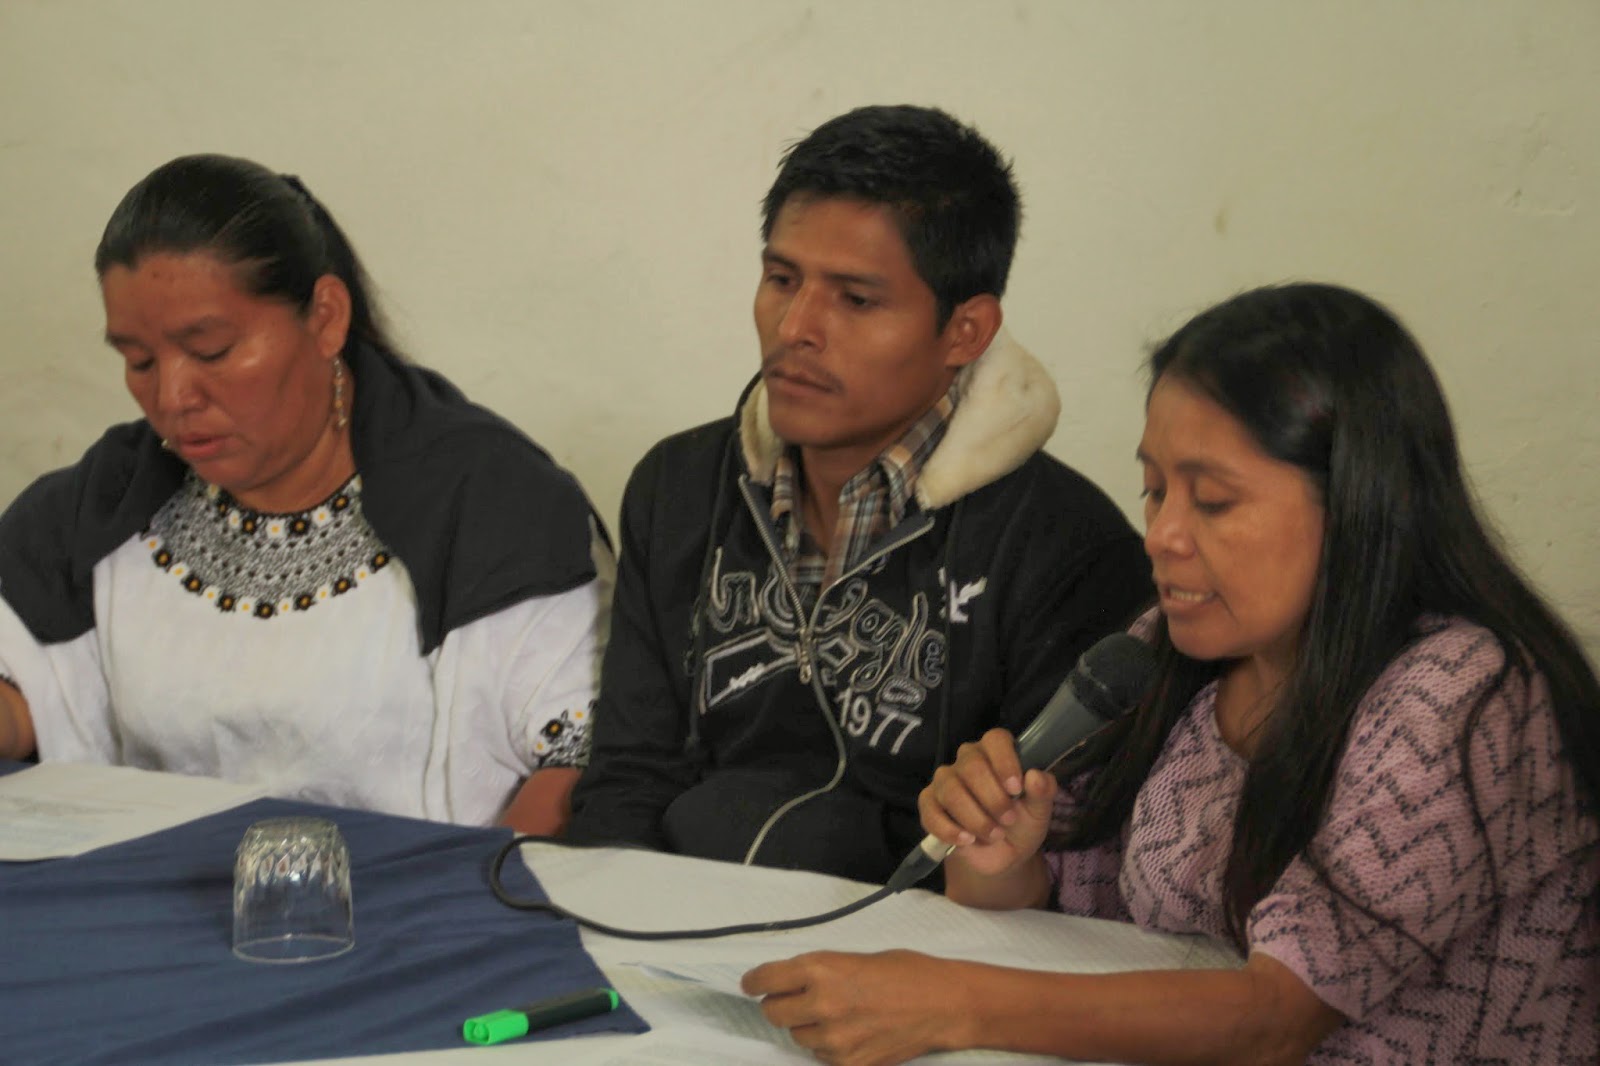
(769, 537)
(805, 651)
(904, 534)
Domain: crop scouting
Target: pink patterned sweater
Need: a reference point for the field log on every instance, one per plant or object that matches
(1472, 982)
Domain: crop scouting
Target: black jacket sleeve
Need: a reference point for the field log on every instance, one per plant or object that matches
(639, 764)
(1086, 576)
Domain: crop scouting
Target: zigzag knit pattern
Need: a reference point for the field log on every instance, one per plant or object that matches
(1487, 950)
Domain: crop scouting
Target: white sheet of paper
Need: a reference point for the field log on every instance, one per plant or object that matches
(58, 809)
(717, 976)
(688, 990)
(635, 889)
(680, 1047)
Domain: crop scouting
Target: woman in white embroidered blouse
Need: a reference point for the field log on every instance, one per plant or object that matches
(312, 566)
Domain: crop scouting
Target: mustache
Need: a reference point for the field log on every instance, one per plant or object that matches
(784, 363)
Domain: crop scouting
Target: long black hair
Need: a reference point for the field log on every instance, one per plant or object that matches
(1326, 379)
(267, 226)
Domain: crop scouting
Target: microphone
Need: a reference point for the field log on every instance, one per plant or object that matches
(1109, 679)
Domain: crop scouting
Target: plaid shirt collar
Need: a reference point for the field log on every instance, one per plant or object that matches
(871, 503)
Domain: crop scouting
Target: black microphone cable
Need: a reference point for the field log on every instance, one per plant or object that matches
(551, 907)
(1107, 683)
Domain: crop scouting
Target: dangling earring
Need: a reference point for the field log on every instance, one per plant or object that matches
(166, 445)
(340, 419)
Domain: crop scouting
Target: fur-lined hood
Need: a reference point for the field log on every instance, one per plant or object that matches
(1007, 410)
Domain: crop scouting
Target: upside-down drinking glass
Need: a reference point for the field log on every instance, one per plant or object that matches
(291, 892)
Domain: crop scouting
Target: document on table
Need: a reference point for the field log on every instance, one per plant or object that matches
(735, 1033)
(717, 976)
(688, 989)
(713, 973)
(632, 888)
(58, 809)
(689, 1047)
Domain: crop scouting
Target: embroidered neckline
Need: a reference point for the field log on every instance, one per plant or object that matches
(260, 563)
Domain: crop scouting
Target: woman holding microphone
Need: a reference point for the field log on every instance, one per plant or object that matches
(1371, 757)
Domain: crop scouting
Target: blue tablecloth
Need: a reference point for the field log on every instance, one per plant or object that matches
(123, 955)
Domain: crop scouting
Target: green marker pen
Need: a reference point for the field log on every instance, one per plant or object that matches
(509, 1024)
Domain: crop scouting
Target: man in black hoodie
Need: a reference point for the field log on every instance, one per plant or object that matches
(871, 562)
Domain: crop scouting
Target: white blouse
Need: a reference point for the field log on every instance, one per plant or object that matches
(284, 651)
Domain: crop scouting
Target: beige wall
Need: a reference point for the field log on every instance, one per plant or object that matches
(559, 200)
